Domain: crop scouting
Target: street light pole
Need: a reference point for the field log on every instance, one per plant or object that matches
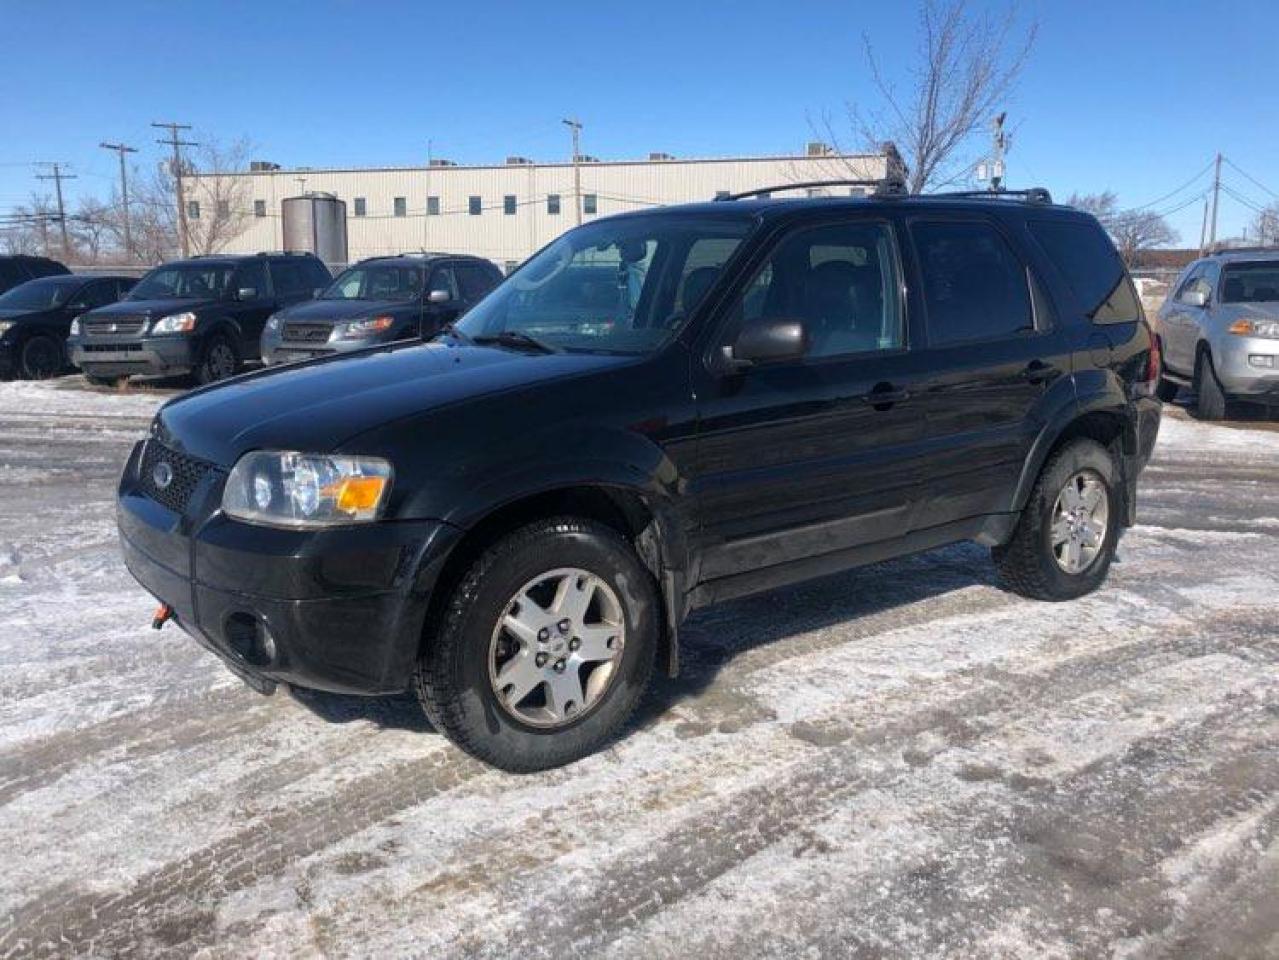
(576, 126)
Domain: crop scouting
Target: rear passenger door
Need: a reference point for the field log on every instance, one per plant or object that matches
(993, 349)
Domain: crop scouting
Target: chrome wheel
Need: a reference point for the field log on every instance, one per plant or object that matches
(1081, 519)
(556, 646)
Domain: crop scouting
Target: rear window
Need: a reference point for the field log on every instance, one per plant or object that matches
(1091, 265)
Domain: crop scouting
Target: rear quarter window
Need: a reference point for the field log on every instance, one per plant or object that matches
(1088, 261)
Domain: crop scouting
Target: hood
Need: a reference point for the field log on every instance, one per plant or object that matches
(147, 308)
(1266, 310)
(12, 314)
(320, 310)
(320, 405)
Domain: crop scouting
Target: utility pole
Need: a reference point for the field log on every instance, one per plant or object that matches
(576, 126)
(57, 177)
(997, 158)
(177, 144)
(1216, 199)
(121, 149)
(1203, 229)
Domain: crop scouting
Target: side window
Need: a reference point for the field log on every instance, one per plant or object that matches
(1197, 282)
(317, 275)
(442, 279)
(702, 267)
(974, 286)
(289, 279)
(252, 275)
(1091, 265)
(124, 286)
(97, 294)
(474, 281)
(840, 280)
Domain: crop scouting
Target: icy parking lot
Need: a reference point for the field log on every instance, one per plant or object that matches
(901, 761)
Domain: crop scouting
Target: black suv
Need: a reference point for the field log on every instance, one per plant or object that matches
(36, 316)
(19, 268)
(202, 316)
(658, 411)
(380, 300)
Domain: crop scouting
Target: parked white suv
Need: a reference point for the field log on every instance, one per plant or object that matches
(1219, 330)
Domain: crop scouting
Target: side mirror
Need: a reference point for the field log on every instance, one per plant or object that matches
(768, 340)
(439, 296)
(1196, 298)
(246, 293)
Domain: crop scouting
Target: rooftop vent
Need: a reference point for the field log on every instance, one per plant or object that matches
(816, 148)
(659, 155)
(587, 158)
(262, 166)
(440, 162)
(518, 161)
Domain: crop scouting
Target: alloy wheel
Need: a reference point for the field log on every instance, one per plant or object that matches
(1080, 521)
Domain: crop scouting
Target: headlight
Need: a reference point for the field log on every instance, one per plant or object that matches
(7, 325)
(273, 323)
(282, 488)
(358, 329)
(1256, 328)
(75, 327)
(175, 323)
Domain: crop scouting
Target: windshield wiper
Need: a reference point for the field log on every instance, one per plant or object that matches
(452, 330)
(518, 340)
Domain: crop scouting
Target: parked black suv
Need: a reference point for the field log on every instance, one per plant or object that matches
(380, 300)
(35, 317)
(202, 316)
(19, 268)
(658, 411)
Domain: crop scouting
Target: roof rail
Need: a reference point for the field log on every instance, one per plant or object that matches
(284, 253)
(1222, 248)
(1029, 195)
(885, 187)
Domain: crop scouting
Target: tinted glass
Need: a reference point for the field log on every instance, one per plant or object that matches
(252, 276)
(1091, 265)
(442, 279)
(608, 287)
(97, 294)
(376, 282)
(1251, 282)
(974, 287)
(292, 278)
(840, 280)
(184, 281)
(38, 295)
(474, 280)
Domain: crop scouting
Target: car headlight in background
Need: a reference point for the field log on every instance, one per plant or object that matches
(1256, 328)
(284, 488)
(5, 326)
(175, 323)
(273, 322)
(75, 327)
(359, 329)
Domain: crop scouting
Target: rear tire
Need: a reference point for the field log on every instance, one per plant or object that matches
(1212, 397)
(112, 383)
(1035, 562)
(219, 361)
(464, 664)
(41, 357)
(1166, 390)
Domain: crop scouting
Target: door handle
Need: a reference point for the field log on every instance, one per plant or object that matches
(884, 395)
(1036, 372)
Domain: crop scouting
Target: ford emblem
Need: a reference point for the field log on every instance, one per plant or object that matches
(162, 475)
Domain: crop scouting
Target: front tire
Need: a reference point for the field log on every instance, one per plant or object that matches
(1212, 397)
(545, 647)
(41, 358)
(1166, 390)
(219, 361)
(1066, 538)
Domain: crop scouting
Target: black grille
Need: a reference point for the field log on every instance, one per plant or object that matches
(111, 347)
(118, 325)
(185, 475)
(307, 332)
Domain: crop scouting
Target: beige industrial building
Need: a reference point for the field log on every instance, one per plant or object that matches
(503, 212)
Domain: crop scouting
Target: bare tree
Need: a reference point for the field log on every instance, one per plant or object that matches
(1104, 206)
(1135, 231)
(1266, 225)
(966, 66)
(92, 229)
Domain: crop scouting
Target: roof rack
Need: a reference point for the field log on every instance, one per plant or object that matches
(1221, 248)
(885, 187)
(1029, 195)
(284, 253)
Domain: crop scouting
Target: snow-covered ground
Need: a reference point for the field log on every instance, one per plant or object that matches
(900, 761)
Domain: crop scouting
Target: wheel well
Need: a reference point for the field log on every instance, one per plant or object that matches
(622, 510)
(1108, 429)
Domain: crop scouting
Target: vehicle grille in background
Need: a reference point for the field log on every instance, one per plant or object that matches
(307, 332)
(120, 325)
(187, 472)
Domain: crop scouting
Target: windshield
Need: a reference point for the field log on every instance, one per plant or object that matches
(38, 295)
(617, 286)
(1251, 282)
(184, 281)
(376, 282)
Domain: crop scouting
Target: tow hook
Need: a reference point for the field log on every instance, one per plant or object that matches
(163, 614)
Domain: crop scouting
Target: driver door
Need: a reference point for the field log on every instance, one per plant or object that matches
(251, 312)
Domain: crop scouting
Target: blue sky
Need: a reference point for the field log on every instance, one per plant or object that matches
(1135, 97)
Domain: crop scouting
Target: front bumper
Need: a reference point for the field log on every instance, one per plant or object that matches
(339, 609)
(1239, 374)
(120, 357)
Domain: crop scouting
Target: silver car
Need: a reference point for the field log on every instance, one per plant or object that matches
(1219, 329)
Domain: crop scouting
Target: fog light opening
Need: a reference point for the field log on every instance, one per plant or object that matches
(249, 637)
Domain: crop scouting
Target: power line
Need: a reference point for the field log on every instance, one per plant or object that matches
(177, 144)
(57, 177)
(1173, 193)
(1248, 176)
(122, 149)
